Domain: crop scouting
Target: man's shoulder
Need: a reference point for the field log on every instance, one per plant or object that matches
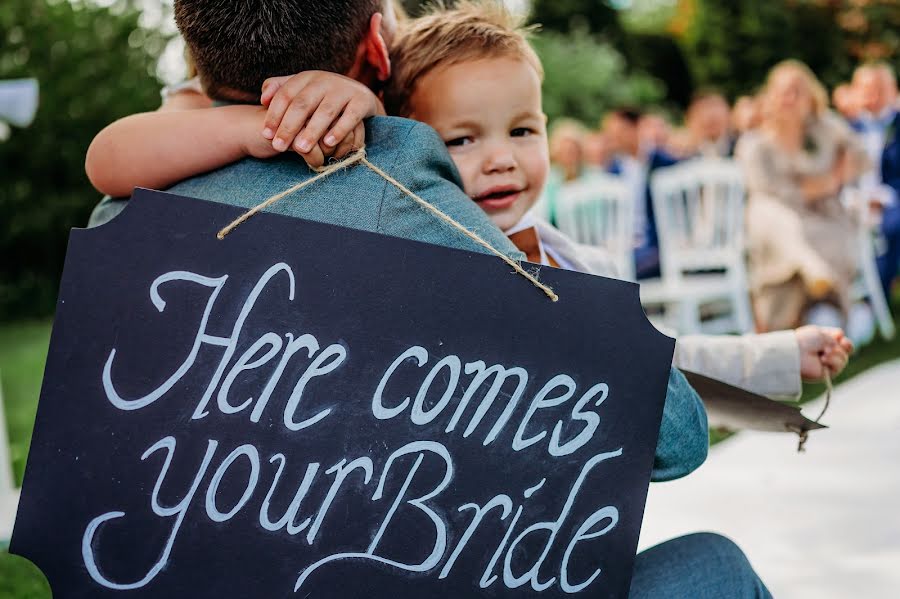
(390, 135)
(409, 152)
(252, 180)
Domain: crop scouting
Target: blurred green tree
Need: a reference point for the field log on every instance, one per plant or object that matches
(95, 64)
(584, 78)
(566, 16)
(732, 45)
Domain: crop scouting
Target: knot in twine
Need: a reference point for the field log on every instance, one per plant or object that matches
(804, 434)
(359, 157)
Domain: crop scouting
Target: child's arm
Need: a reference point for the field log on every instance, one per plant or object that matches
(158, 149)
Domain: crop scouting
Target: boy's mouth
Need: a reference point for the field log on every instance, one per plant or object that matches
(498, 198)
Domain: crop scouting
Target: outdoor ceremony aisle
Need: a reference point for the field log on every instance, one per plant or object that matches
(823, 524)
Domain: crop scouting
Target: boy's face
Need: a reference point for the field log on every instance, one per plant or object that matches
(488, 112)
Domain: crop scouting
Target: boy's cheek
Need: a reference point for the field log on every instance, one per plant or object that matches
(466, 172)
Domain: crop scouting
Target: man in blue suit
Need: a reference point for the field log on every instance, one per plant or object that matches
(636, 165)
(876, 88)
(237, 45)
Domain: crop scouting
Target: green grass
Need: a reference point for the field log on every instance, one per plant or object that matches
(20, 579)
(23, 352)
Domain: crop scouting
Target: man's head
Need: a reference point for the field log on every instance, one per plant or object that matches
(470, 73)
(653, 131)
(876, 87)
(621, 128)
(238, 45)
(708, 117)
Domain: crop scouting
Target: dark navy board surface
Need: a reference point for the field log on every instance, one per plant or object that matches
(162, 497)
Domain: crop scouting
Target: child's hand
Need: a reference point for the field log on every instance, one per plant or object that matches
(821, 348)
(317, 114)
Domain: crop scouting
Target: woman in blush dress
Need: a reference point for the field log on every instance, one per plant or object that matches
(801, 240)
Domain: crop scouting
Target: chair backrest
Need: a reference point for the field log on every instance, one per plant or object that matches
(699, 210)
(597, 210)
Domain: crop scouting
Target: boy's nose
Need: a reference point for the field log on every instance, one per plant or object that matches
(499, 159)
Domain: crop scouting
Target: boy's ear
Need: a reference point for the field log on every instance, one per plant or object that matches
(376, 48)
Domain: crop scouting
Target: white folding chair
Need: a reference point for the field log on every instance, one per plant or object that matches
(699, 210)
(598, 211)
(868, 283)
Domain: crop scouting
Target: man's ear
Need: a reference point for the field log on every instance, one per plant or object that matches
(376, 48)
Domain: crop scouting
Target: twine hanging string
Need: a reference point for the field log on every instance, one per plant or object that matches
(804, 434)
(359, 157)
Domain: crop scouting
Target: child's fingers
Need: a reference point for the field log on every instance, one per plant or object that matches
(320, 121)
(847, 345)
(315, 158)
(352, 142)
(352, 116)
(835, 361)
(295, 119)
(292, 93)
(269, 88)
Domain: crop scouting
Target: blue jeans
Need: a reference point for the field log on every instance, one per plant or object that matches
(697, 566)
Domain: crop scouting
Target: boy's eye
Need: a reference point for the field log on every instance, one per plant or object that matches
(458, 141)
(521, 132)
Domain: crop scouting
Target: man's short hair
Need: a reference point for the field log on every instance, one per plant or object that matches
(238, 44)
(444, 36)
(631, 114)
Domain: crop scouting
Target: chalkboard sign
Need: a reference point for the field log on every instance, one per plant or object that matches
(303, 410)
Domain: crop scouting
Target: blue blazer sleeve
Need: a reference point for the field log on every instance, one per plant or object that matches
(684, 434)
(890, 159)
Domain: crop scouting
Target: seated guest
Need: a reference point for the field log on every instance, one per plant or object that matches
(597, 155)
(566, 163)
(708, 121)
(746, 114)
(654, 132)
(801, 240)
(878, 121)
(636, 165)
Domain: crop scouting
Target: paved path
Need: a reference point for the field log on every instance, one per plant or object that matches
(823, 524)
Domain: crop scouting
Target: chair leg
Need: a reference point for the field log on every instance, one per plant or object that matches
(688, 317)
(743, 312)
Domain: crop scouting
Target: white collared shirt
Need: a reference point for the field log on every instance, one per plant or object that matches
(546, 249)
(874, 137)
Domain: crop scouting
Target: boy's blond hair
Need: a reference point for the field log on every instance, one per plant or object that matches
(470, 30)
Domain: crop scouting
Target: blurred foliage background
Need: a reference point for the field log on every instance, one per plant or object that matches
(98, 60)
(95, 64)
